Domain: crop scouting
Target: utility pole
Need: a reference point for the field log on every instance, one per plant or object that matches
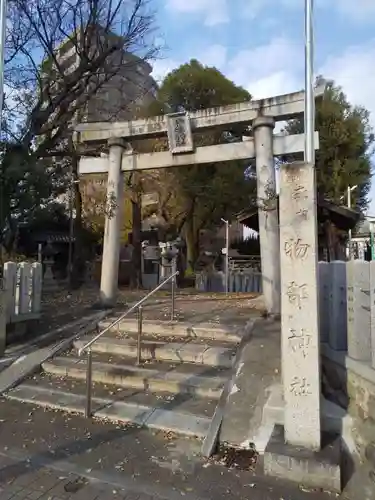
(3, 22)
(372, 240)
(309, 84)
(71, 227)
(350, 189)
(226, 255)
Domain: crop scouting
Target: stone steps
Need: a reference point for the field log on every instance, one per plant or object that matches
(180, 352)
(176, 388)
(73, 401)
(138, 377)
(209, 331)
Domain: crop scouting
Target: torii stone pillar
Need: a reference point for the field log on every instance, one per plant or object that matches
(112, 228)
(267, 212)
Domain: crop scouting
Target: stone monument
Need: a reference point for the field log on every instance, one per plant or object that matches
(297, 450)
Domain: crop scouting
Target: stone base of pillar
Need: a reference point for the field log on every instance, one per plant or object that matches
(104, 303)
(312, 469)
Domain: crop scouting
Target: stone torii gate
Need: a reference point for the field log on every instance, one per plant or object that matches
(261, 115)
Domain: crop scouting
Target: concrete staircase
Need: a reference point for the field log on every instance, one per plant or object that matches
(176, 388)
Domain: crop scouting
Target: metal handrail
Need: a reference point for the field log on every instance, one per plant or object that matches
(129, 311)
(138, 305)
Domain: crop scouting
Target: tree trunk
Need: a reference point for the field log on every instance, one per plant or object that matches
(192, 242)
(78, 270)
(136, 273)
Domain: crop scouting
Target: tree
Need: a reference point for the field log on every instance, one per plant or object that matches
(24, 190)
(346, 146)
(47, 93)
(204, 193)
(93, 189)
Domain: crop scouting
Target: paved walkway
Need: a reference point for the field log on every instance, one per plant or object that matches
(59, 456)
(51, 484)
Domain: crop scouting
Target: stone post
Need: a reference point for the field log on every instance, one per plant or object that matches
(299, 313)
(267, 212)
(3, 317)
(372, 311)
(37, 277)
(358, 310)
(10, 285)
(111, 243)
(25, 288)
(338, 339)
(324, 278)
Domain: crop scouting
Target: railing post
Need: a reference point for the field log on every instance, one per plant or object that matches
(139, 340)
(88, 383)
(173, 298)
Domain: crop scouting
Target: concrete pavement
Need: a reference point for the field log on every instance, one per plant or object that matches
(49, 448)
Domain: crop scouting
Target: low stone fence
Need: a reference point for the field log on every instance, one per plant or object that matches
(22, 291)
(347, 329)
(240, 281)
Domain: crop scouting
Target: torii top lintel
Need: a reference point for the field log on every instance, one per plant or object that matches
(282, 107)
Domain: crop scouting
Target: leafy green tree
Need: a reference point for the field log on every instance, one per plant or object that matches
(346, 146)
(25, 186)
(205, 193)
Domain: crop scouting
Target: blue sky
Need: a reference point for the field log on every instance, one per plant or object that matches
(259, 44)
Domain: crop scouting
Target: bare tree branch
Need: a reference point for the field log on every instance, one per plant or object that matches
(102, 39)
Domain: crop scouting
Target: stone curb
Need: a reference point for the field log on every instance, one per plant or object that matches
(129, 376)
(173, 351)
(27, 364)
(116, 411)
(212, 436)
(177, 329)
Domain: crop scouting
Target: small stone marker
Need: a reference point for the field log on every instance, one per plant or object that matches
(358, 309)
(299, 312)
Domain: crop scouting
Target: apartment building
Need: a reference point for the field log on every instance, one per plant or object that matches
(121, 86)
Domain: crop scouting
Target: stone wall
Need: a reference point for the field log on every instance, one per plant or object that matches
(347, 315)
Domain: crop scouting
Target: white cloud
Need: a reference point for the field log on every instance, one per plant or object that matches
(215, 55)
(354, 71)
(359, 10)
(162, 67)
(216, 12)
(277, 68)
(265, 70)
(268, 69)
(275, 84)
(213, 11)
